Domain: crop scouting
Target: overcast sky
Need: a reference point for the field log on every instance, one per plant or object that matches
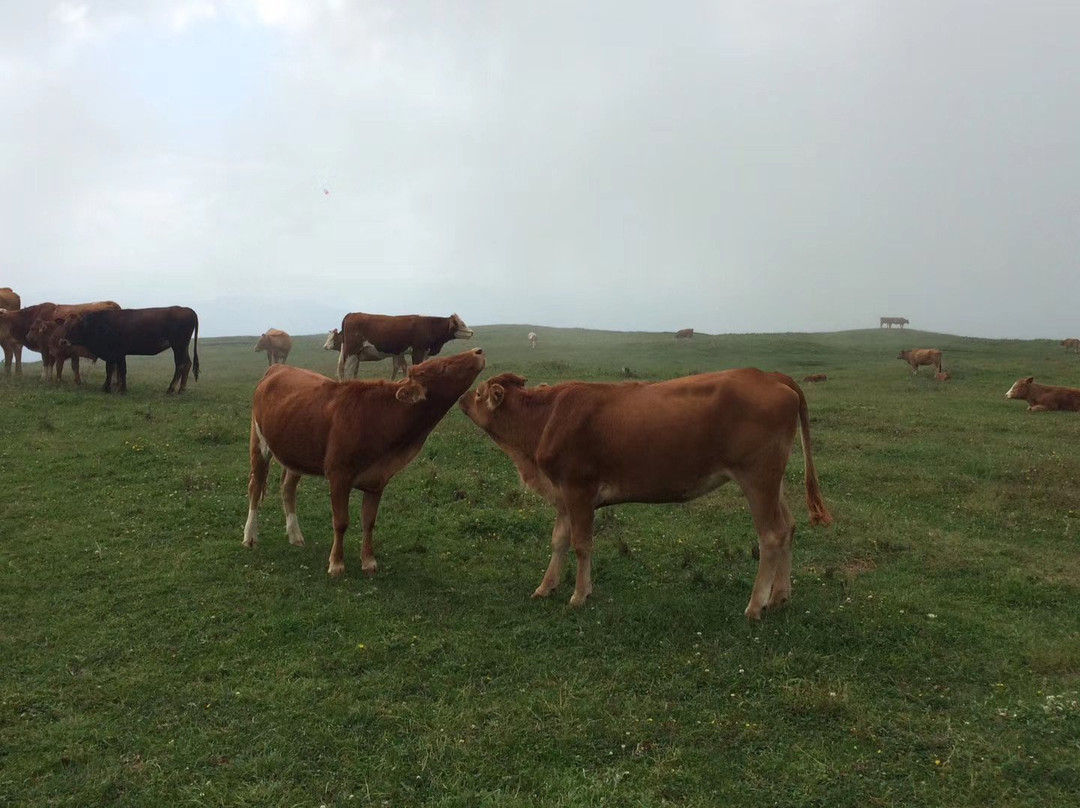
(730, 166)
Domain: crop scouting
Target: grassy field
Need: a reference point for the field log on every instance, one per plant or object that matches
(930, 655)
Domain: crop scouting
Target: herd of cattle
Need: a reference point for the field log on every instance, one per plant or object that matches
(580, 446)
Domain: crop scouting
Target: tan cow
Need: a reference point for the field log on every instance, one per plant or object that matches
(367, 353)
(685, 333)
(1044, 397)
(1072, 343)
(582, 446)
(277, 345)
(532, 339)
(356, 434)
(10, 301)
(917, 357)
(51, 334)
(394, 335)
(815, 377)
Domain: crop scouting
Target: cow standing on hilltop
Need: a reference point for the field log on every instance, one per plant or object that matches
(583, 446)
(356, 434)
(891, 321)
(394, 335)
(118, 334)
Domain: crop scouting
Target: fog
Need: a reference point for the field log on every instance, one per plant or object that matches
(727, 166)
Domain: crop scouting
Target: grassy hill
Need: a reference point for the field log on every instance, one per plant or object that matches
(930, 655)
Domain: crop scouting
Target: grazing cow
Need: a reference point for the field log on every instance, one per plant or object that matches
(16, 325)
(916, 357)
(532, 339)
(425, 336)
(685, 333)
(10, 301)
(891, 321)
(357, 434)
(582, 446)
(367, 354)
(277, 345)
(942, 376)
(51, 335)
(815, 377)
(1044, 397)
(116, 335)
(1071, 343)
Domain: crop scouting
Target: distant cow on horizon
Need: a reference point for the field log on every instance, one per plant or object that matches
(891, 321)
(532, 339)
(1071, 343)
(685, 333)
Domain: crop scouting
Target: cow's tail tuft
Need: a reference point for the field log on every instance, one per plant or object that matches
(815, 503)
(195, 352)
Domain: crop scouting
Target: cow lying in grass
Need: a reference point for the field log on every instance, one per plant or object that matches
(356, 434)
(1044, 397)
(582, 446)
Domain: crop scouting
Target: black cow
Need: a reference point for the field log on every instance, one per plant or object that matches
(115, 335)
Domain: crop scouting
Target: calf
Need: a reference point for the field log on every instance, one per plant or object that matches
(942, 376)
(815, 377)
(917, 357)
(357, 434)
(583, 446)
(277, 345)
(51, 335)
(367, 353)
(1044, 397)
(117, 334)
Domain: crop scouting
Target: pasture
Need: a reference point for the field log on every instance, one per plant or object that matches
(930, 655)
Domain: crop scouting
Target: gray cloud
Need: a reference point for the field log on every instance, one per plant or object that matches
(731, 166)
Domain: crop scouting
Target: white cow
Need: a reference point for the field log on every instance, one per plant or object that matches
(532, 339)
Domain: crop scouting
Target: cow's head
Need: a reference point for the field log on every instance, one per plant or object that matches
(70, 330)
(903, 355)
(458, 329)
(483, 403)
(333, 341)
(441, 380)
(263, 344)
(1020, 388)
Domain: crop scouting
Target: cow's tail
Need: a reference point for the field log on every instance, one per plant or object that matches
(815, 503)
(195, 352)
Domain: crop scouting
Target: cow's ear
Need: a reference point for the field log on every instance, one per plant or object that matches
(410, 391)
(495, 395)
(1029, 379)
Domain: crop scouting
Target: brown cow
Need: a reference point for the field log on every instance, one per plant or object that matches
(357, 434)
(17, 324)
(815, 377)
(10, 301)
(1044, 397)
(277, 345)
(685, 333)
(582, 446)
(425, 336)
(1071, 343)
(367, 354)
(52, 335)
(922, 356)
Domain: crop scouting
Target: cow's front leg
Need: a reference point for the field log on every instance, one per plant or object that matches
(110, 369)
(581, 513)
(368, 512)
(289, 481)
(340, 488)
(560, 543)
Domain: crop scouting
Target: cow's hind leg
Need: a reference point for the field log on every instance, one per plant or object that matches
(581, 514)
(775, 528)
(181, 365)
(110, 370)
(369, 511)
(260, 467)
(560, 543)
(289, 482)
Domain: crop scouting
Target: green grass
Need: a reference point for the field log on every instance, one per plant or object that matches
(930, 656)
